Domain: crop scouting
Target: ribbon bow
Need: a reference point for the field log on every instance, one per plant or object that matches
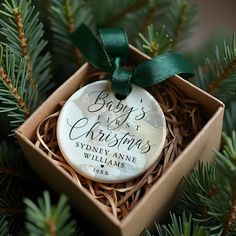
(113, 52)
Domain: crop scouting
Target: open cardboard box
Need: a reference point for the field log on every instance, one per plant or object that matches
(157, 200)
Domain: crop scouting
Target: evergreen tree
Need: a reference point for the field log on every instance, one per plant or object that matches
(28, 73)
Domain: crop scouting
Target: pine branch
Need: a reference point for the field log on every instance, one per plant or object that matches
(14, 180)
(66, 16)
(136, 5)
(230, 216)
(156, 43)
(17, 99)
(24, 35)
(23, 43)
(207, 48)
(4, 228)
(69, 16)
(180, 20)
(13, 169)
(222, 208)
(181, 225)
(45, 219)
(14, 92)
(218, 74)
(201, 182)
(6, 210)
(225, 73)
(210, 192)
(44, 16)
(148, 20)
(133, 7)
(71, 28)
(230, 118)
(133, 16)
(227, 158)
(11, 207)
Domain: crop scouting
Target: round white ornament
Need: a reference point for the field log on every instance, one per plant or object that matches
(110, 140)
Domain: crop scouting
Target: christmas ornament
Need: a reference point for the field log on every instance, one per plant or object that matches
(103, 137)
(110, 140)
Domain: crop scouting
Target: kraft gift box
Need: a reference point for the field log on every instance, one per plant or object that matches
(155, 203)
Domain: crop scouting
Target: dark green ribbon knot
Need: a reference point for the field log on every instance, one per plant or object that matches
(113, 52)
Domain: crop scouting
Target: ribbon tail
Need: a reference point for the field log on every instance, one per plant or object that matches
(91, 48)
(161, 68)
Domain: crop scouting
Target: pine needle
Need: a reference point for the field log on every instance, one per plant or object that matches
(201, 182)
(23, 33)
(18, 99)
(66, 16)
(46, 219)
(181, 225)
(4, 228)
(11, 208)
(13, 168)
(180, 20)
(210, 192)
(230, 118)
(156, 43)
(133, 16)
(218, 74)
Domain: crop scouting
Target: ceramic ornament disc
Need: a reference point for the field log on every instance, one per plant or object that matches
(110, 140)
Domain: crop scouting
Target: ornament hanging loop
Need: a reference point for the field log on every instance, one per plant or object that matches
(121, 79)
(115, 43)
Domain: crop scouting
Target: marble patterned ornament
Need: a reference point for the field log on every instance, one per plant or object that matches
(110, 140)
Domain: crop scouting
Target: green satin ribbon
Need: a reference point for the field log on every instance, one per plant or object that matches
(113, 52)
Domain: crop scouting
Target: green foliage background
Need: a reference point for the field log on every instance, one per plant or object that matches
(37, 55)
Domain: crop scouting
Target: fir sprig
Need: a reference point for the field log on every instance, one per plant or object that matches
(210, 192)
(180, 226)
(226, 159)
(44, 218)
(10, 207)
(133, 16)
(218, 74)
(180, 20)
(230, 118)
(18, 99)
(13, 169)
(201, 182)
(12, 210)
(156, 43)
(4, 228)
(66, 16)
(127, 9)
(24, 36)
(13, 176)
(220, 219)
